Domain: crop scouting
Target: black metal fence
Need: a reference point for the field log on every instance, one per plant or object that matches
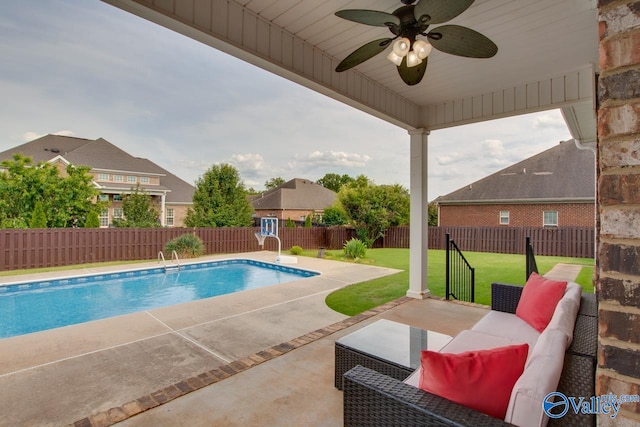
(460, 277)
(532, 267)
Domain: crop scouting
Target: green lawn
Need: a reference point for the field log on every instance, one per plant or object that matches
(489, 268)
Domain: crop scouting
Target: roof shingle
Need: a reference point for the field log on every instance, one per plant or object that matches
(561, 173)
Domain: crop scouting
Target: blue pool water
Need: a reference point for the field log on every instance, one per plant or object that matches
(37, 306)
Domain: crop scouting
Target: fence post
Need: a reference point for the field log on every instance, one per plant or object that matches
(446, 263)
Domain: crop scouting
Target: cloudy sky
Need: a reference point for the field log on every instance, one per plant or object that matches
(87, 69)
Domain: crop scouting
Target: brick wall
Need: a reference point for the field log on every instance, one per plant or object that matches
(524, 215)
(618, 258)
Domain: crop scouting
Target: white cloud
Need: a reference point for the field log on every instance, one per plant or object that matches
(335, 158)
(545, 120)
(493, 147)
(450, 158)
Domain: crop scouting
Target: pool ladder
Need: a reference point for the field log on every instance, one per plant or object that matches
(174, 255)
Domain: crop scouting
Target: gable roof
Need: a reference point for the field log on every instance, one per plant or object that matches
(295, 194)
(562, 173)
(102, 155)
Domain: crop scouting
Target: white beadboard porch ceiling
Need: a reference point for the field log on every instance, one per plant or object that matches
(547, 57)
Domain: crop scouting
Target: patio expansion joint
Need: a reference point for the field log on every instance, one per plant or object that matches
(188, 385)
(189, 339)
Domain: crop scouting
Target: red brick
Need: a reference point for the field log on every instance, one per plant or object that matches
(520, 215)
(131, 408)
(618, 258)
(619, 189)
(619, 120)
(116, 415)
(620, 51)
(608, 385)
(619, 325)
(624, 292)
(624, 361)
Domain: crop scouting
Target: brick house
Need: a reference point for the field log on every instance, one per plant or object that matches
(552, 188)
(295, 200)
(115, 172)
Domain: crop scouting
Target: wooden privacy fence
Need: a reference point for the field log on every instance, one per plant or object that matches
(35, 248)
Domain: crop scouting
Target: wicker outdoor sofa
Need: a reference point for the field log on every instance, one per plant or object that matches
(374, 399)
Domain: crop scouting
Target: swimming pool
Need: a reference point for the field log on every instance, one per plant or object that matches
(37, 306)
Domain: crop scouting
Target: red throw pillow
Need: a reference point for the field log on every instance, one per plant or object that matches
(538, 300)
(481, 380)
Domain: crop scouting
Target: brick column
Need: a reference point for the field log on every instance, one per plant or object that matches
(618, 222)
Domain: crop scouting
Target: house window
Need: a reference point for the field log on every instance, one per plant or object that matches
(170, 217)
(117, 197)
(118, 178)
(118, 213)
(104, 218)
(550, 219)
(131, 178)
(103, 197)
(504, 217)
(144, 179)
(103, 177)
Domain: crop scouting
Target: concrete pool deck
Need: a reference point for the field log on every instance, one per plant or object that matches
(60, 376)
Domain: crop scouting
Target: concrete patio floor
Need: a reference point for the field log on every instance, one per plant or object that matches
(259, 357)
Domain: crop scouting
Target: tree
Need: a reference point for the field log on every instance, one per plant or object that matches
(432, 213)
(38, 217)
(307, 221)
(334, 182)
(65, 198)
(335, 215)
(274, 183)
(220, 200)
(92, 220)
(138, 210)
(374, 208)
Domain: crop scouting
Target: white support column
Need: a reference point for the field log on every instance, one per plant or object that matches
(418, 287)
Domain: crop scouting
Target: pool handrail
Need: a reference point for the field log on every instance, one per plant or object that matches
(174, 255)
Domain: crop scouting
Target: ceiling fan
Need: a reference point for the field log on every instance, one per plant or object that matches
(406, 23)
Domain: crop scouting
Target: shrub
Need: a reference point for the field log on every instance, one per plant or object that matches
(186, 246)
(295, 250)
(92, 220)
(355, 248)
(38, 217)
(289, 223)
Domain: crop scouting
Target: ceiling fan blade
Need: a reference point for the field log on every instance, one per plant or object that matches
(369, 17)
(439, 11)
(462, 41)
(363, 53)
(412, 75)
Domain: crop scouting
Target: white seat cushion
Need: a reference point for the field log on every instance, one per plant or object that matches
(509, 326)
(564, 316)
(540, 377)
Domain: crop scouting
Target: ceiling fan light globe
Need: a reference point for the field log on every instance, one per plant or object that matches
(401, 46)
(396, 59)
(413, 59)
(422, 48)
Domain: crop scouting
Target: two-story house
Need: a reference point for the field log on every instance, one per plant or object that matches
(115, 172)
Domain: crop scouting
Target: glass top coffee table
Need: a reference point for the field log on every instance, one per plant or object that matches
(390, 348)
